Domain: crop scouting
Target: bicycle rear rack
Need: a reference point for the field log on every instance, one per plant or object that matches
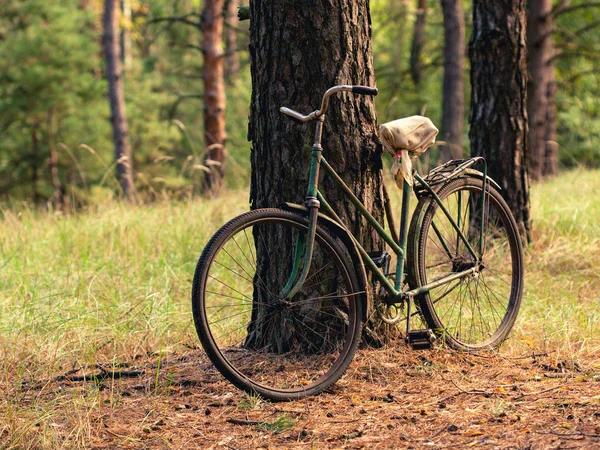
(446, 171)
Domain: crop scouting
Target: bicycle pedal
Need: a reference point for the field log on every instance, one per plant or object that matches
(420, 339)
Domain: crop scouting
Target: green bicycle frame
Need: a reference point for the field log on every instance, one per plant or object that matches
(315, 201)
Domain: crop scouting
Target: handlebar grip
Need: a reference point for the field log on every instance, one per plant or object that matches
(364, 90)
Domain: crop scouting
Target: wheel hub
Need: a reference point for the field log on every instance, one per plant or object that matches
(460, 264)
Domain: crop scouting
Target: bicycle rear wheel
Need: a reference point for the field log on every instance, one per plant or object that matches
(281, 348)
(477, 311)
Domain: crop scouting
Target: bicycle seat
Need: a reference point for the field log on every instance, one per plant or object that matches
(406, 138)
(414, 134)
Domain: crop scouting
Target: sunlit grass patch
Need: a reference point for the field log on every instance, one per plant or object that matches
(103, 286)
(562, 290)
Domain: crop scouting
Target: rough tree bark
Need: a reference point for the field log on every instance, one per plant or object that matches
(499, 99)
(299, 49)
(211, 24)
(416, 67)
(541, 70)
(232, 61)
(114, 75)
(453, 89)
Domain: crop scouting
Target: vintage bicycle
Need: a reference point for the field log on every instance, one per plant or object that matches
(288, 327)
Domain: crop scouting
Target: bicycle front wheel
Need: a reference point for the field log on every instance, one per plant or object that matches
(478, 310)
(260, 339)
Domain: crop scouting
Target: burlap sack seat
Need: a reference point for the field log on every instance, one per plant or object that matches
(405, 139)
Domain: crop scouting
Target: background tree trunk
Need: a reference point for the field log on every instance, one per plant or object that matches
(299, 49)
(454, 71)
(551, 158)
(214, 93)
(114, 74)
(34, 161)
(416, 67)
(232, 61)
(126, 34)
(541, 68)
(57, 196)
(499, 99)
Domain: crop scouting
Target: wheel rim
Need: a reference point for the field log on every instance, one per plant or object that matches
(277, 345)
(478, 310)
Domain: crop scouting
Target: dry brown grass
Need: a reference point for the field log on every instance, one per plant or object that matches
(391, 398)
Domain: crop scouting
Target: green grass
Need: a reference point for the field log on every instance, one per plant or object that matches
(100, 286)
(562, 291)
(115, 282)
(108, 285)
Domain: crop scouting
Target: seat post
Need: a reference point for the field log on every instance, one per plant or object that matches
(406, 190)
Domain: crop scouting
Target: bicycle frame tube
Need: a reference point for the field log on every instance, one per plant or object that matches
(314, 201)
(363, 253)
(406, 190)
(398, 248)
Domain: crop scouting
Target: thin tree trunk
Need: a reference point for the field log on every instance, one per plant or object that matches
(232, 61)
(551, 157)
(214, 93)
(34, 162)
(114, 74)
(416, 66)
(539, 34)
(299, 49)
(57, 195)
(454, 72)
(126, 35)
(498, 56)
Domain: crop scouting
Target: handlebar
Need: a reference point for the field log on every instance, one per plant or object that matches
(361, 90)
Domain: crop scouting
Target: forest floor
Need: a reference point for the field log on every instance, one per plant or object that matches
(390, 398)
(98, 347)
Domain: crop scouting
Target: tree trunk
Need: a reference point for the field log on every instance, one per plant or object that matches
(551, 157)
(214, 93)
(454, 71)
(232, 61)
(416, 67)
(540, 49)
(299, 49)
(126, 35)
(114, 74)
(57, 196)
(499, 99)
(34, 162)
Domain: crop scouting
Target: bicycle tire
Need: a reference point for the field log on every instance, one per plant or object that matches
(475, 312)
(280, 351)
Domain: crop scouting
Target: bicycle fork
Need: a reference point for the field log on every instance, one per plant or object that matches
(305, 244)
